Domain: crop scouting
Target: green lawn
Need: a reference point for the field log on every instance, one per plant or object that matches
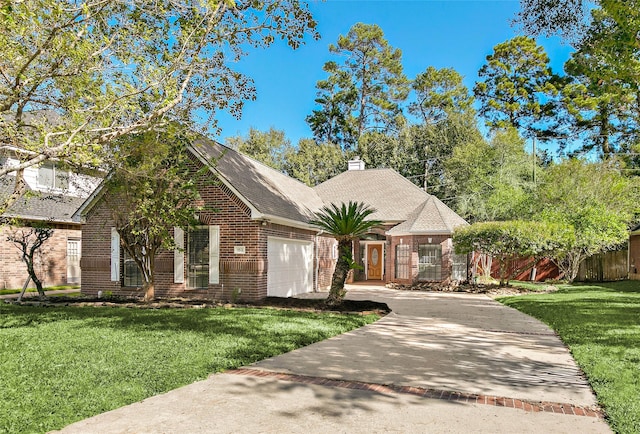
(48, 288)
(601, 325)
(60, 365)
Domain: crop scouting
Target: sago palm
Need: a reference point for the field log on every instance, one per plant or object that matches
(346, 223)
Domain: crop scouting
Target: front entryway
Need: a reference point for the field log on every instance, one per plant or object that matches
(374, 261)
(73, 260)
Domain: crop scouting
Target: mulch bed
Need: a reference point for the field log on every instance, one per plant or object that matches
(307, 304)
(491, 290)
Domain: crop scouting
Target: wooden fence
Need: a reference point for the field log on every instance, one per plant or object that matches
(604, 267)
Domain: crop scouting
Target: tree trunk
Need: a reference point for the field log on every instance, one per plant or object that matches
(35, 279)
(337, 291)
(149, 291)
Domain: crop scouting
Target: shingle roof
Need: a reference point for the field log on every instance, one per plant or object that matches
(268, 191)
(32, 205)
(432, 216)
(395, 198)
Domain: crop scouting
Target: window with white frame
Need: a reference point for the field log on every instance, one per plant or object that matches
(131, 274)
(403, 255)
(429, 262)
(459, 267)
(51, 176)
(198, 257)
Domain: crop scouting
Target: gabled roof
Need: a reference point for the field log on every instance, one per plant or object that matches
(35, 206)
(266, 191)
(395, 198)
(432, 217)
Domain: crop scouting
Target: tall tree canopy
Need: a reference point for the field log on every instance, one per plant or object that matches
(517, 87)
(314, 163)
(361, 93)
(439, 93)
(492, 180)
(77, 74)
(269, 147)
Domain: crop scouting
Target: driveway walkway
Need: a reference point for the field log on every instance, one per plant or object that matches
(439, 363)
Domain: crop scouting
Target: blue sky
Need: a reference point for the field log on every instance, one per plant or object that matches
(440, 33)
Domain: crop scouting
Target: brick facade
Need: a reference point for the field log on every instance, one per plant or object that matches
(51, 261)
(242, 276)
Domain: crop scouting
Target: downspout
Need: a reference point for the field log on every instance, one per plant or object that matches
(317, 261)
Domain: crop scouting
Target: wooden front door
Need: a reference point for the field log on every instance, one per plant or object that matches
(374, 262)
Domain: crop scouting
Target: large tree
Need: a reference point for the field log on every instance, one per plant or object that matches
(314, 163)
(270, 147)
(152, 189)
(595, 200)
(439, 93)
(492, 180)
(603, 98)
(75, 75)
(517, 87)
(362, 92)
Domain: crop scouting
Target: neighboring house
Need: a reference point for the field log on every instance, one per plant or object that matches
(255, 240)
(52, 196)
(634, 253)
(415, 241)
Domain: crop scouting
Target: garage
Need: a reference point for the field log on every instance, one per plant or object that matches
(290, 267)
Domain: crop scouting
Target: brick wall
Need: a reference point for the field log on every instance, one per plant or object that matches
(327, 261)
(51, 261)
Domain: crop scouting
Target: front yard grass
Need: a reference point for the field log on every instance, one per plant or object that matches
(600, 323)
(63, 364)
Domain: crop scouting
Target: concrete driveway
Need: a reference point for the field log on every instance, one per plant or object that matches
(440, 362)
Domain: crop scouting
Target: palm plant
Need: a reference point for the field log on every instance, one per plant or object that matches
(346, 223)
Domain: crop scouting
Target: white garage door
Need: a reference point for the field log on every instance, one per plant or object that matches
(290, 267)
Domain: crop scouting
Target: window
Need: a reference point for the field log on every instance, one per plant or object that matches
(403, 254)
(459, 268)
(430, 262)
(131, 274)
(198, 257)
(51, 176)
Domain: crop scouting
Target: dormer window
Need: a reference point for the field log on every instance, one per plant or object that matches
(52, 177)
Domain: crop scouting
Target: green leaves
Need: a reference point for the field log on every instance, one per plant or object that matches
(345, 221)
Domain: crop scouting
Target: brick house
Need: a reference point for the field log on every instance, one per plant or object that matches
(415, 241)
(255, 240)
(53, 195)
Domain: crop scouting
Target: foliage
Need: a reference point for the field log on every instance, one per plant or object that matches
(599, 324)
(75, 75)
(510, 241)
(151, 190)
(363, 92)
(70, 363)
(602, 100)
(345, 222)
(440, 93)
(517, 87)
(595, 200)
(29, 241)
(546, 18)
(270, 148)
(314, 163)
(492, 180)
